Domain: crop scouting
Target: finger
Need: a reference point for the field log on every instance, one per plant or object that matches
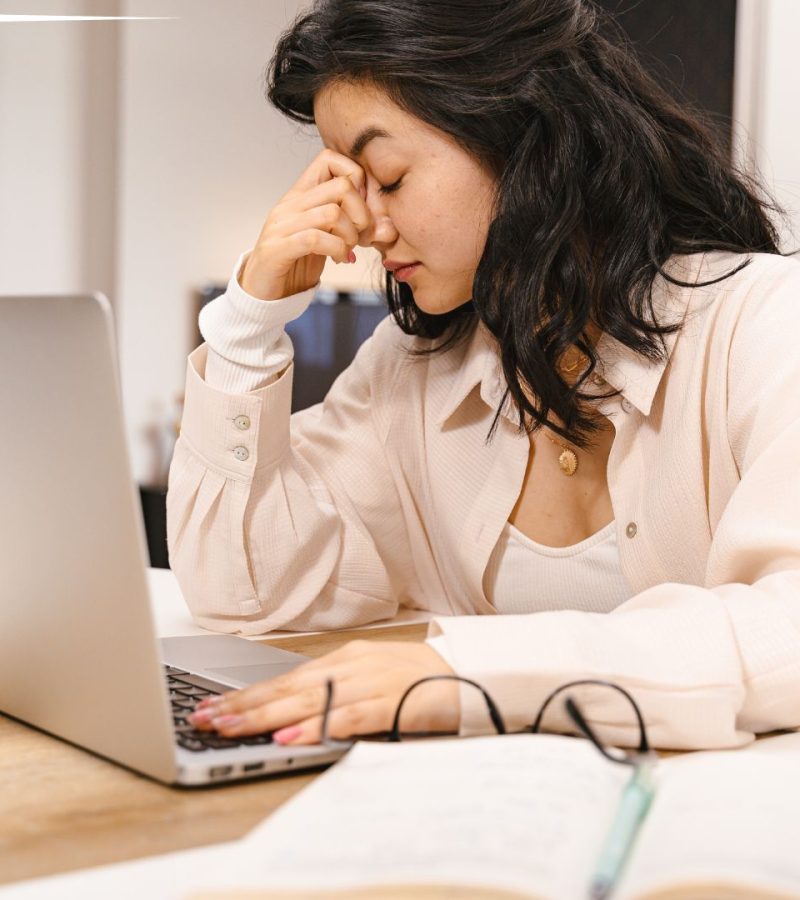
(336, 665)
(256, 695)
(316, 242)
(306, 704)
(311, 702)
(330, 217)
(275, 690)
(329, 164)
(340, 191)
(364, 717)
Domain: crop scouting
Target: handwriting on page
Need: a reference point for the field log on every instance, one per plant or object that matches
(421, 812)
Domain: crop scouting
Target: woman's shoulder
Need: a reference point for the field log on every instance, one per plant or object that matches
(740, 273)
(724, 287)
(752, 305)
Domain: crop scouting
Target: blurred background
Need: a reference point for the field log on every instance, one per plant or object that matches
(140, 158)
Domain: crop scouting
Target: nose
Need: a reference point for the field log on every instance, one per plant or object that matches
(381, 229)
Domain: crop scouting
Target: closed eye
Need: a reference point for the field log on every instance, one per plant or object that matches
(391, 188)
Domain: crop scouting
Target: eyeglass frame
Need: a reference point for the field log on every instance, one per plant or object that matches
(573, 710)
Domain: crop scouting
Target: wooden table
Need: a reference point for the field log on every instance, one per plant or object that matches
(62, 808)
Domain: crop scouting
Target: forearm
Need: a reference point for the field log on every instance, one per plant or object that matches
(708, 667)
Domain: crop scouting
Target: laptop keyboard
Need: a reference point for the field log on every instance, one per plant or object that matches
(185, 691)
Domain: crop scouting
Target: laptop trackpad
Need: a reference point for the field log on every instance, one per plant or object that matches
(250, 674)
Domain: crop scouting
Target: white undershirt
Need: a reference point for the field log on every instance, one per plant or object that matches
(524, 576)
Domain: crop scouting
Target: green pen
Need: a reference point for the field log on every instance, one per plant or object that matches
(633, 806)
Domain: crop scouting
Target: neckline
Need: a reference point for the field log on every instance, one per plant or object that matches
(608, 531)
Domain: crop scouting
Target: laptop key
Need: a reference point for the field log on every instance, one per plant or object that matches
(171, 670)
(188, 730)
(205, 683)
(256, 739)
(191, 744)
(183, 703)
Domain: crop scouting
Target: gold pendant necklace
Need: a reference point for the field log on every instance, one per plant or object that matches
(568, 460)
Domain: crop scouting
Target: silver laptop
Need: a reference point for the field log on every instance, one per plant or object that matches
(79, 657)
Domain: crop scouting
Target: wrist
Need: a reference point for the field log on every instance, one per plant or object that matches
(255, 288)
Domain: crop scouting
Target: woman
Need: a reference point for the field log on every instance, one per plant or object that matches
(582, 414)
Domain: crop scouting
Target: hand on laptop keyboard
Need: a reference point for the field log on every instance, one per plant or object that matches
(185, 691)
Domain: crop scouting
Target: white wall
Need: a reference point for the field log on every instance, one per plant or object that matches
(779, 138)
(57, 150)
(767, 109)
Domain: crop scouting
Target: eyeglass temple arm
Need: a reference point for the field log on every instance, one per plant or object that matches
(326, 712)
(577, 717)
(494, 712)
(644, 746)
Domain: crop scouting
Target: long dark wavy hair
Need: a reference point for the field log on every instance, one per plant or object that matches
(601, 175)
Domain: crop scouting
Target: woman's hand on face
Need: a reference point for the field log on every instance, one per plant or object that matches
(369, 678)
(321, 216)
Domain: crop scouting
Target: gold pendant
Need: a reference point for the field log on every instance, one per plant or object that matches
(568, 462)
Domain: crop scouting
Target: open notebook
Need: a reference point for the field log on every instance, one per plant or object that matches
(525, 816)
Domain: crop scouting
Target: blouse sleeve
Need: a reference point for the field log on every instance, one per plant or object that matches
(277, 520)
(710, 666)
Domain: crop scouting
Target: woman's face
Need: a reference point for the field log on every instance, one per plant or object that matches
(439, 213)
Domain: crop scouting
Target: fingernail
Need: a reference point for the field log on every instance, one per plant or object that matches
(208, 701)
(351, 257)
(227, 721)
(285, 735)
(201, 715)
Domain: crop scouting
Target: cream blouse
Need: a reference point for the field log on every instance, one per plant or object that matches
(388, 494)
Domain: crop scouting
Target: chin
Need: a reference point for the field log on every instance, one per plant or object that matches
(439, 306)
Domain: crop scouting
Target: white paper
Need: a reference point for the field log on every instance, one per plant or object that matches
(732, 813)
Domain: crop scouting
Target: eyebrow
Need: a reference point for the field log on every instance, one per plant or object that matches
(365, 137)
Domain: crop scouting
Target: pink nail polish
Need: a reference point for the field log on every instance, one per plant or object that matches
(201, 715)
(286, 735)
(351, 257)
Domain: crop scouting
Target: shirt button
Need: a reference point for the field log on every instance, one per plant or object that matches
(631, 529)
(242, 423)
(626, 405)
(241, 453)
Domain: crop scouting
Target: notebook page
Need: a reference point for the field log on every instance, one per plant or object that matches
(519, 812)
(730, 815)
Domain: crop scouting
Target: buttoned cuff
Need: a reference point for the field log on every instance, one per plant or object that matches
(225, 430)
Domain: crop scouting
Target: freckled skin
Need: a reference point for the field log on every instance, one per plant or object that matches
(441, 212)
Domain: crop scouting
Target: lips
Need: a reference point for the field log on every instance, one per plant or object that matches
(402, 271)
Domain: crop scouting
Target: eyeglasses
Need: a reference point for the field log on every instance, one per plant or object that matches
(571, 706)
